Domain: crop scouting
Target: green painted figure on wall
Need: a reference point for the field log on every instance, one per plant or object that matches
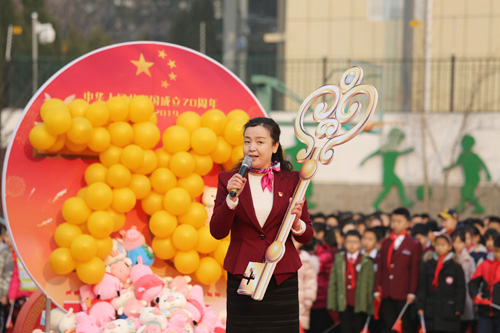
(390, 154)
(471, 165)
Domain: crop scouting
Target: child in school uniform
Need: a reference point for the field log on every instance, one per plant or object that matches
(460, 246)
(484, 287)
(477, 251)
(398, 273)
(350, 289)
(441, 291)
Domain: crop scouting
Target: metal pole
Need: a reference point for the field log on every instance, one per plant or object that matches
(407, 72)
(34, 49)
(48, 307)
(203, 37)
(229, 33)
(8, 46)
(452, 82)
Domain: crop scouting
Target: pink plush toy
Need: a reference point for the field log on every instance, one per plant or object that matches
(208, 322)
(125, 295)
(147, 285)
(121, 269)
(85, 324)
(120, 326)
(177, 324)
(132, 310)
(153, 315)
(135, 244)
(196, 303)
(118, 252)
(150, 328)
(180, 284)
(103, 312)
(108, 288)
(172, 303)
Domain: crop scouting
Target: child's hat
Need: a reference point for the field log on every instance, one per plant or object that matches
(444, 235)
(448, 213)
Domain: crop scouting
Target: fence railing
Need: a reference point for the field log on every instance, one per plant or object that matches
(457, 84)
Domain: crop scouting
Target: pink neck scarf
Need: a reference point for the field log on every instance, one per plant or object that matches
(267, 179)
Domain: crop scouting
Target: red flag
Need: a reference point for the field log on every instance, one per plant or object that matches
(398, 326)
(376, 304)
(365, 330)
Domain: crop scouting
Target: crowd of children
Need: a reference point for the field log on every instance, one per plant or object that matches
(401, 273)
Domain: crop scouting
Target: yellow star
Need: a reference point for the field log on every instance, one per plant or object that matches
(142, 65)
(171, 63)
(162, 54)
(164, 84)
(172, 76)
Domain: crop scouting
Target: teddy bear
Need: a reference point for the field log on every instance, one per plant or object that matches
(153, 315)
(120, 326)
(208, 199)
(135, 244)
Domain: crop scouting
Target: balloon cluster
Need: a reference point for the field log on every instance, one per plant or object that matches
(166, 180)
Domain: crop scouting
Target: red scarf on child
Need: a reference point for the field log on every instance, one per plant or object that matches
(351, 272)
(436, 273)
(391, 248)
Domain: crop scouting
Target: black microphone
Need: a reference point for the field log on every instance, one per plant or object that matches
(245, 165)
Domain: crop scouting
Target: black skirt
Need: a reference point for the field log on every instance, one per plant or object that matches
(277, 312)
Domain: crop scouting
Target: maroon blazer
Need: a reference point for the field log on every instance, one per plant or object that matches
(249, 241)
(402, 278)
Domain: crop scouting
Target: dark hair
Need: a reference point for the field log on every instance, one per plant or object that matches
(446, 237)
(402, 211)
(494, 219)
(320, 215)
(3, 229)
(490, 233)
(496, 242)
(274, 132)
(319, 226)
(354, 233)
(376, 232)
(459, 233)
(477, 221)
(432, 225)
(330, 237)
(331, 215)
(420, 229)
(309, 247)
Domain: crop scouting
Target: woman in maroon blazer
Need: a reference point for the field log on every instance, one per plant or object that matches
(254, 217)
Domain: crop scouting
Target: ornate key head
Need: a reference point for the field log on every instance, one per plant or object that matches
(330, 117)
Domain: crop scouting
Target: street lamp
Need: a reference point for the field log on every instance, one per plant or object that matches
(46, 33)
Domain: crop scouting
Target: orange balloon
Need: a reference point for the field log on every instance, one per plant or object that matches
(203, 141)
(77, 107)
(182, 164)
(193, 183)
(208, 271)
(41, 138)
(233, 132)
(206, 242)
(189, 120)
(222, 152)
(98, 196)
(118, 108)
(186, 262)
(95, 173)
(162, 224)
(121, 133)
(100, 140)
(176, 139)
(50, 104)
(238, 114)
(149, 164)
(118, 176)
(162, 180)
(196, 215)
(140, 185)
(110, 156)
(146, 135)
(81, 130)
(237, 154)
(75, 210)
(97, 113)
(65, 233)
(57, 120)
(163, 248)
(118, 219)
(141, 109)
(203, 164)
(104, 247)
(58, 145)
(75, 147)
(152, 203)
(100, 224)
(221, 250)
(132, 157)
(177, 201)
(214, 119)
(163, 158)
(92, 271)
(61, 261)
(124, 200)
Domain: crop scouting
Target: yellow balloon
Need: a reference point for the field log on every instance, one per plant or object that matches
(237, 154)
(81, 130)
(193, 183)
(58, 145)
(206, 242)
(215, 120)
(185, 237)
(104, 247)
(204, 141)
(61, 261)
(141, 109)
(162, 180)
(124, 200)
(118, 219)
(81, 193)
(186, 262)
(98, 196)
(50, 104)
(182, 164)
(132, 157)
(97, 113)
(140, 185)
(77, 107)
(100, 140)
(238, 114)
(176, 139)
(75, 210)
(149, 164)
(146, 135)
(189, 120)
(163, 158)
(121, 133)
(162, 224)
(163, 248)
(152, 203)
(83, 247)
(228, 165)
(196, 215)
(100, 224)
(220, 252)
(65, 233)
(41, 138)
(75, 147)
(95, 173)
(209, 271)
(203, 164)
(233, 132)
(92, 271)
(57, 120)
(177, 201)
(222, 152)
(110, 156)
(118, 108)
(118, 176)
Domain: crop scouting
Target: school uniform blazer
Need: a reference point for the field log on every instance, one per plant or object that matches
(249, 241)
(402, 278)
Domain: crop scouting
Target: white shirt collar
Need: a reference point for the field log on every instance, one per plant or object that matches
(354, 256)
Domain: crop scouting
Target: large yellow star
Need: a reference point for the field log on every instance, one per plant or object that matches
(162, 54)
(164, 84)
(172, 76)
(142, 65)
(171, 63)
